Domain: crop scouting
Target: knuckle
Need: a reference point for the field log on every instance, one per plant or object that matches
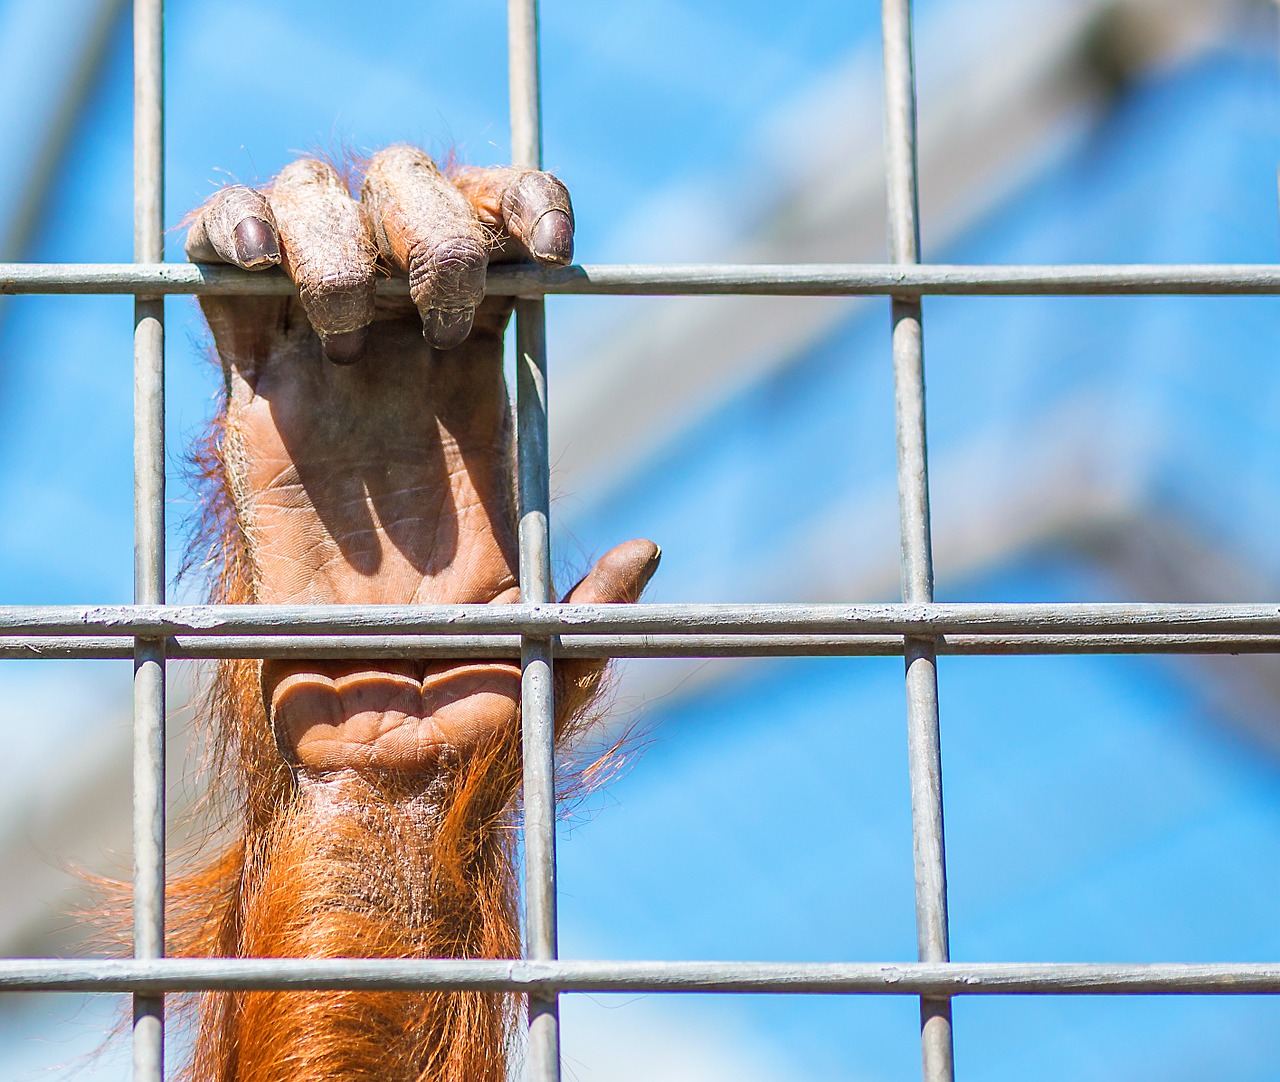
(448, 273)
(337, 300)
(533, 195)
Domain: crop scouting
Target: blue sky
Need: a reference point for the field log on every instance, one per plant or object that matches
(637, 101)
(1098, 808)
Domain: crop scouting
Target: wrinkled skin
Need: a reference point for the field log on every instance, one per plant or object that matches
(368, 443)
(365, 453)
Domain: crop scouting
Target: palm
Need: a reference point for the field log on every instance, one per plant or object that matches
(368, 444)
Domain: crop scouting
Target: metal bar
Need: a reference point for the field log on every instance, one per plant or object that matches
(917, 629)
(148, 452)
(537, 705)
(766, 279)
(549, 977)
(542, 621)
(193, 647)
(524, 84)
(924, 747)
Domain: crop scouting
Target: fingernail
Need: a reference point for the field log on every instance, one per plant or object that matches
(650, 568)
(446, 329)
(347, 347)
(256, 244)
(632, 563)
(551, 240)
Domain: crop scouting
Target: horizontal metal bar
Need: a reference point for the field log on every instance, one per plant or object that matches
(760, 279)
(194, 647)
(916, 619)
(773, 978)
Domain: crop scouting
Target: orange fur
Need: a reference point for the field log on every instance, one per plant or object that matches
(345, 865)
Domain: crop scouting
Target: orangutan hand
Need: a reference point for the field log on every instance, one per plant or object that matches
(368, 443)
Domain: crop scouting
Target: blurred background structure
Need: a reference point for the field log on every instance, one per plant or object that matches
(1091, 449)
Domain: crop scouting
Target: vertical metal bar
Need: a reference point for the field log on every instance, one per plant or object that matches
(148, 458)
(525, 83)
(537, 707)
(923, 737)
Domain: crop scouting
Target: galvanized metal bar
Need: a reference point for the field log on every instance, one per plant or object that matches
(149, 573)
(533, 464)
(545, 978)
(524, 78)
(745, 279)
(923, 735)
(191, 647)
(543, 621)
(537, 700)
(917, 629)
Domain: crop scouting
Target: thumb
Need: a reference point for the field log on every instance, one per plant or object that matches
(619, 577)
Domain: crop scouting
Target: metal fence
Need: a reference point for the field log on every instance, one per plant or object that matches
(540, 631)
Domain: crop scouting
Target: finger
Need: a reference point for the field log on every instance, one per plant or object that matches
(525, 206)
(236, 226)
(327, 250)
(619, 577)
(424, 228)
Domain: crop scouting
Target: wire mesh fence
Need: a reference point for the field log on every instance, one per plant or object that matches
(538, 631)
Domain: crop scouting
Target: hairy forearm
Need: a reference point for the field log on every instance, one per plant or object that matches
(363, 456)
(341, 863)
(375, 866)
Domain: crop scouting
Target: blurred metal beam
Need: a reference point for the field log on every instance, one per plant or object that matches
(24, 220)
(992, 107)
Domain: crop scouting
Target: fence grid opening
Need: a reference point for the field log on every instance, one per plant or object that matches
(538, 631)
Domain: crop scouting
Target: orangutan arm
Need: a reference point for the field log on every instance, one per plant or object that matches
(364, 456)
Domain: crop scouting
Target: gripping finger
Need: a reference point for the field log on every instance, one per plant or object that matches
(236, 226)
(425, 229)
(327, 251)
(528, 207)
